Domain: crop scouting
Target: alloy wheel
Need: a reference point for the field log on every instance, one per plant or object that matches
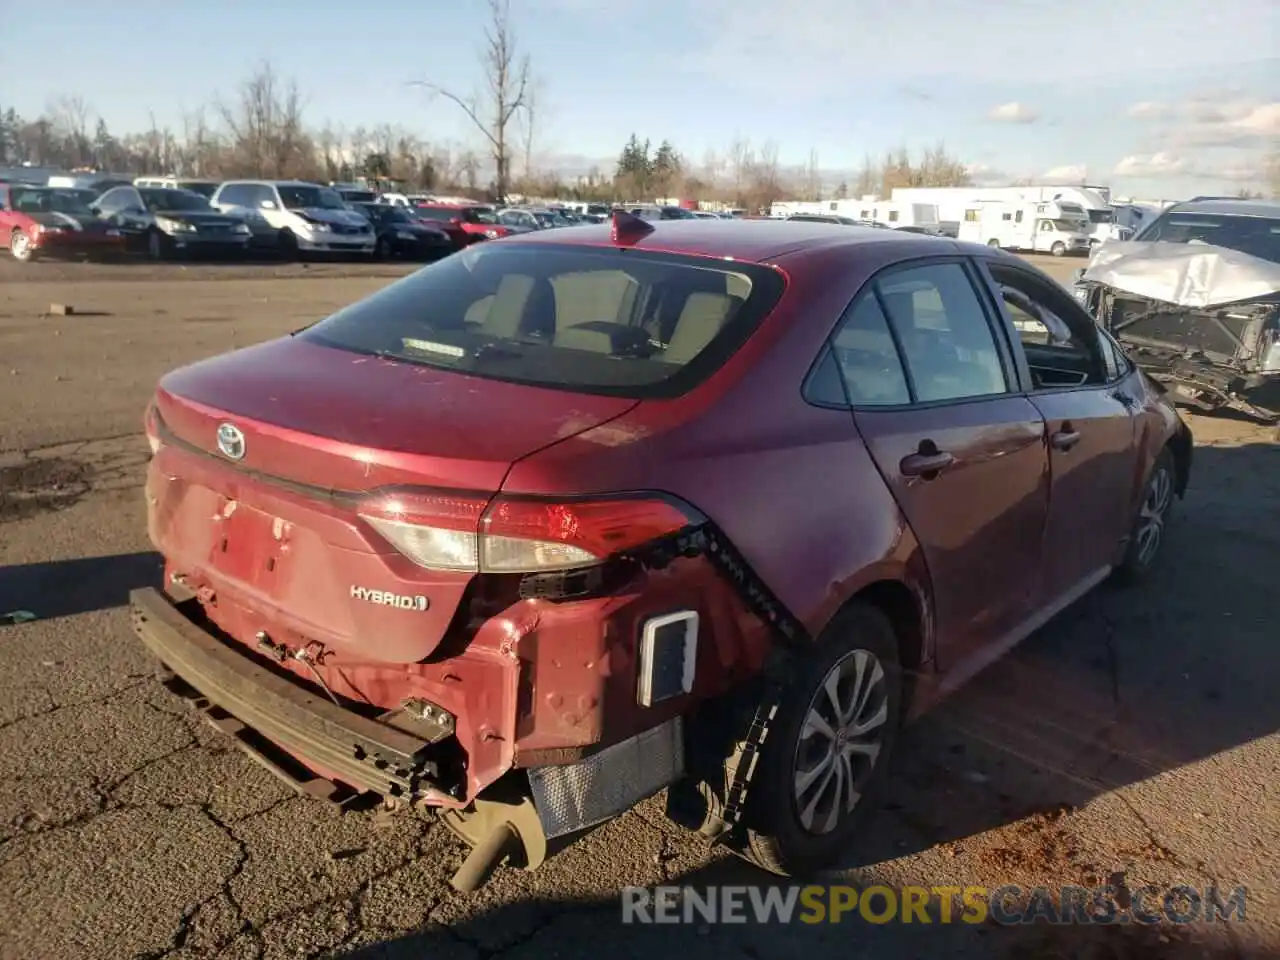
(20, 245)
(840, 741)
(1151, 517)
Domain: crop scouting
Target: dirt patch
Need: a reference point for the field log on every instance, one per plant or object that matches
(1039, 842)
(1118, 942)
(35, 486)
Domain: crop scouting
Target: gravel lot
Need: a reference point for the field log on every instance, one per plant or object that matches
(1133, 740)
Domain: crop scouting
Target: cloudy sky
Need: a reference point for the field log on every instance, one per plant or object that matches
(1160, 100)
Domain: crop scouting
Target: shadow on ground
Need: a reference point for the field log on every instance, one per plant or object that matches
(590, 929)
(61, 588)
(1127, 685)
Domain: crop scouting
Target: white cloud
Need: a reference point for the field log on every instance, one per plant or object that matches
(1149, 110)
(1066, 173)
(1164, 165)
(1240, 123)
(806, 49)
(1151, 165)
(984, 175)
(1013, 112)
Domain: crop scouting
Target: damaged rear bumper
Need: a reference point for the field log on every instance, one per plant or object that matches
(263, 710)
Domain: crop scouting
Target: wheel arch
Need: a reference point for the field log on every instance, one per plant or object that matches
(1180, 446)
(904, 608)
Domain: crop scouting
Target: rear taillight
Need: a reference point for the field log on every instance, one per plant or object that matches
(516, 535)
(150, 424)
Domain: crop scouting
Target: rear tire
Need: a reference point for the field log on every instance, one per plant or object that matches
(1147, 535)
(830, 742)
(994, 244)
(1059, 249)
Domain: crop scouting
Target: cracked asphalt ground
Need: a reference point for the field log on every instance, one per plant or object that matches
(1133, 741)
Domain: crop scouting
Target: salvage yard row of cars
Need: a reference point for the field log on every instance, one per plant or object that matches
(477, 542)
(166, 218)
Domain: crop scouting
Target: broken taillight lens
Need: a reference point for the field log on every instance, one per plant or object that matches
(516, 535)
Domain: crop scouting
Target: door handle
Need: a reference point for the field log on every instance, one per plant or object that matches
(1065, 439)
(925, 464)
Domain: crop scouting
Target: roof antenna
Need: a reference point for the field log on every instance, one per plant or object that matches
(628, 228)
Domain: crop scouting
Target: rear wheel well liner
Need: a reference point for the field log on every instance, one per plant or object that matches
(1180, 446)
(899, 603)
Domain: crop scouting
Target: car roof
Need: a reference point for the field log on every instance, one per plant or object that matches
(749, 240)
(276, 183)
(1229, 206)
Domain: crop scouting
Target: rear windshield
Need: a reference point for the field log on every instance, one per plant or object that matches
(617, 322)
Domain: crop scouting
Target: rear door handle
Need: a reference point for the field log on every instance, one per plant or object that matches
(1064, 440)
(925, 464)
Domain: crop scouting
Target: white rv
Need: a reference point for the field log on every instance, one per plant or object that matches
(952, 202)
(1045, 227)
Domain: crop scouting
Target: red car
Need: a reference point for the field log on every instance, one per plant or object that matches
(557, 523)
(39, 221)
(465, 224)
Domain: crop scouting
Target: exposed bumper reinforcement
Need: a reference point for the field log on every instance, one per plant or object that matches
(262, 709)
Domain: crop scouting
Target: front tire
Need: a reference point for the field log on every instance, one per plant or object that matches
(288, 245)
(21, 247)
(1147, 536)
(828, 748)
(157, 246)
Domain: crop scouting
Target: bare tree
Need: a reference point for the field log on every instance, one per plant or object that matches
(712, 169)
(812, 178)
(1273, 173)
(265, 125)
(766, 184)
(740, 158)
(530, 118)
(71, 117)
(507, 82)
(867, 181)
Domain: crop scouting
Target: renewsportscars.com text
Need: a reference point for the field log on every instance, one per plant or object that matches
(1008, 904)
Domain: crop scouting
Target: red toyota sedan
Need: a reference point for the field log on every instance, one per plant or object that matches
(40, 221)
(568, 519)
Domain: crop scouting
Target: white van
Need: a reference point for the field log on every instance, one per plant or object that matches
(919, 217)
(1035, 227)
(305, 217)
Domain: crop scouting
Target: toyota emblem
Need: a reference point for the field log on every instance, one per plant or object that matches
(231, 441)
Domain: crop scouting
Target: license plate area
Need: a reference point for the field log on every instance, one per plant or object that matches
(249, 546)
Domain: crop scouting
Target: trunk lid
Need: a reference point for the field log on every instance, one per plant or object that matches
(278, 531)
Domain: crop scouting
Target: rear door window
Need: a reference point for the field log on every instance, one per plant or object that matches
(868, 358)
(620, 322)
(946, 337)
